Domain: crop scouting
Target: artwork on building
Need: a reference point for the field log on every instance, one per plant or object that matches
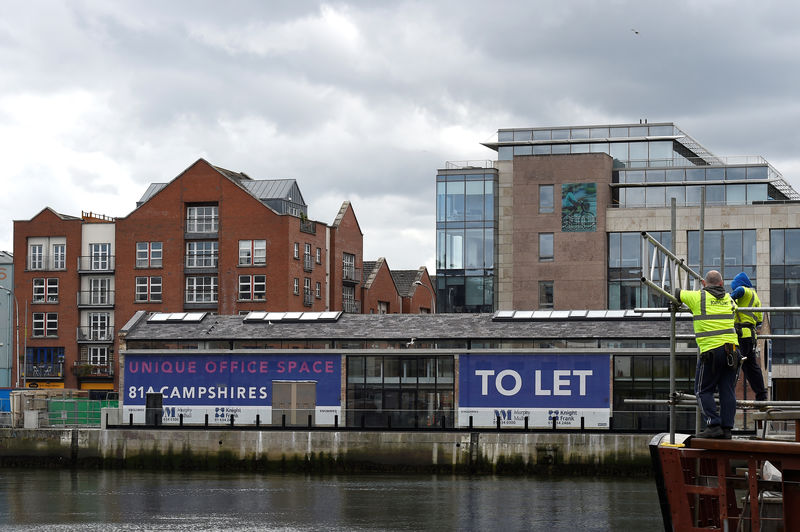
(578, 207)
(568, 390)
(274, 387)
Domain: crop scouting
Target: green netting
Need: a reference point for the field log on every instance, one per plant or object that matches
(76, 412)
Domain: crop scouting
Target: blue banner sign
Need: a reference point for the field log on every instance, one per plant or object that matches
(577, 381)
(227, 380)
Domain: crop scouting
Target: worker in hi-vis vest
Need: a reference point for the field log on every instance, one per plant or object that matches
(713, 311)
(747, 324)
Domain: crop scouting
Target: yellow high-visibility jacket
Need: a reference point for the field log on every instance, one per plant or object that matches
(749, 299)
(713, 318)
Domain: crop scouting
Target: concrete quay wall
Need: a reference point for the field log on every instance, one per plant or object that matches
(329, 451)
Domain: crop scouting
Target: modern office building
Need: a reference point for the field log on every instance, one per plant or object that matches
(211, 240)
(555, 222)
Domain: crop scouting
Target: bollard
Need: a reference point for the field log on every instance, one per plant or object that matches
(258, 420)
(131, 420)
(206, 420)
(610, 422)
(498, 422)
(389, 421)
(336, 421)
(232, 418)
(444, 422)
(639, 422)
(416, 421)
(180, 420)
(309, 421)
(106, 419)
(526, 422)
(582, 423)
(283, 421)
(555, 420)
(362, 421)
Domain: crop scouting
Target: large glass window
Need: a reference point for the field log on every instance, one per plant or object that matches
(59, 256)
(35, 257)
(201, 254)
(737, 245)
(625, 289)
(202, 219)
(252, 287)
(455, 201)
(149, 254)
(148, 289)
(785, 292)
(546, 294)
(201, 289)
(100, 256)
(252, 252)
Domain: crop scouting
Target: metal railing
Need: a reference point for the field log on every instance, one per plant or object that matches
(351, 274)
(307, 226)
(351, 306)
(46, 262)
(53, 370)
(95, 334)
(308, 298)
(85, 369)
(96, 263)
(308, 262)
(96, 298)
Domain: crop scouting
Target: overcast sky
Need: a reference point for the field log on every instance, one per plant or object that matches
(364, 101)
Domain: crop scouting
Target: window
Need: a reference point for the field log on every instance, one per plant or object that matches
(252, 252)
(45, 324)
(546, 202)
(545, 246)
(98, 326)
(349, 299)
(99, 291)
(201, 254)
(59, 256)
(297, 250)
(383, 307)
(45, 290)
(319, 256)
(148, 254)
(318, 290)
(203, 219)
(307, 297)
(98, 355)
(296, 286)
(349, 266)
(252, 287)
(148, 289)
(100, 256)
(35, 257)
(545, 294)
(201, 289)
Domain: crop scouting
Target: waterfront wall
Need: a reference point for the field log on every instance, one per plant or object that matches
(329, 451)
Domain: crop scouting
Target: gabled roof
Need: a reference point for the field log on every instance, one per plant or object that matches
(370, 269)
(405, 279)
(261, 189)
(340, 215)
(54, 213)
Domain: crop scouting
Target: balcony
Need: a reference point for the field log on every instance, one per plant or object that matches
(308, 298)
(96, 264)
(44, 370)
(351, 275)
(46, 263)
(83, 369)
(308, 263)
(307, 226)
(96, 334)
(351, 306)
(96, 298)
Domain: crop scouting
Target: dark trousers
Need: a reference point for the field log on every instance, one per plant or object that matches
(751, 369)
(713, 373)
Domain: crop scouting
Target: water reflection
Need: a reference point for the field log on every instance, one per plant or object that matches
(134, 500)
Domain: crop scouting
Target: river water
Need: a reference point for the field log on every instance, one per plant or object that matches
(56, 500)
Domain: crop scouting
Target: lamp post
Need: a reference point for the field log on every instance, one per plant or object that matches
(10, 365)
(433, 298)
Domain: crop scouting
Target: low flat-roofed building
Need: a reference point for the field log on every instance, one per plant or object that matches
(407, 370)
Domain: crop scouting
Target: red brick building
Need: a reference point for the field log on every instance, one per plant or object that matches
(210, 240)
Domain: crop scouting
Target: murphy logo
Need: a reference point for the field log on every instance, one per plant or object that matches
(505, 415)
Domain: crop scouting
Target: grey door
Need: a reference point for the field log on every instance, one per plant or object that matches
(297, 400)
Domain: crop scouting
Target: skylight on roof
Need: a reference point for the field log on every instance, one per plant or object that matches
(173, 317)
(273, 317)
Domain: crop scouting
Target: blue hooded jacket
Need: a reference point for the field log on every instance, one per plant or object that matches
(738, 282)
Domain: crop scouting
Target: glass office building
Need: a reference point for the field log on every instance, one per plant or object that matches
(465, 229)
